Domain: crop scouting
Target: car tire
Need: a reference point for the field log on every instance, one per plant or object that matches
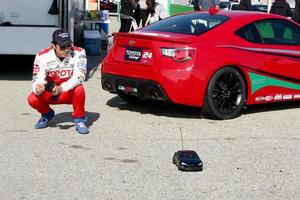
(225, 94)
(130, 99)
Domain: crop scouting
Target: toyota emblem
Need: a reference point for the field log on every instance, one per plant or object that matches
(131, 42)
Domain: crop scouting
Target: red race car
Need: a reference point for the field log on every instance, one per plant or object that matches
(219, 62)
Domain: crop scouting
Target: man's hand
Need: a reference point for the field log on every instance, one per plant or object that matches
(57, 90)
(39, 88)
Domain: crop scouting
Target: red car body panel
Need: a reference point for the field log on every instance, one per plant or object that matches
(186, 82)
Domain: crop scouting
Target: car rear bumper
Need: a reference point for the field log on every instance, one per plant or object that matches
(143, 89)
(181, 83)
(191, 168)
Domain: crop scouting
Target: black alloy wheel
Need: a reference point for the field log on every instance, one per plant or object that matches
(225, 95)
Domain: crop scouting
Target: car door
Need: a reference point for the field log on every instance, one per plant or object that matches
(281, 44)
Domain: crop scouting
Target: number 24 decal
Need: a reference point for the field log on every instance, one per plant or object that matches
(147, 54)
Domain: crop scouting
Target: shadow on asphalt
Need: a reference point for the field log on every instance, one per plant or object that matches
(67, 117)
(16, 67)
(93, 64)
(180, 111)
(271, 107)
(156, 108)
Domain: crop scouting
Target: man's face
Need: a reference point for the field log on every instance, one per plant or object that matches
(62, 52)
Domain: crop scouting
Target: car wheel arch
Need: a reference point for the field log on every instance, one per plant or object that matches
(226, 66)
(205, 110)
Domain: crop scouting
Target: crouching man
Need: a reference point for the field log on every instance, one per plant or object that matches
(58, 74)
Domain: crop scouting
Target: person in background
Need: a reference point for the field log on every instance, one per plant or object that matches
(195, 4)
(136, 13)
(156, 11)
(296, 16)
(143, 13)
(127, 14)
(208, 4)
(281, 7)
(245, 5)
(58, 74)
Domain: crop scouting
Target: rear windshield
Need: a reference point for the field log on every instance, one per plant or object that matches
(192, 23)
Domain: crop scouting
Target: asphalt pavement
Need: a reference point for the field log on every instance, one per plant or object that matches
(128, 152)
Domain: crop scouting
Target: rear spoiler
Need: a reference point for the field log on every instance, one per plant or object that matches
(155, 36)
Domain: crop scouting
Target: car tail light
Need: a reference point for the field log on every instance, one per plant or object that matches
(179, 54)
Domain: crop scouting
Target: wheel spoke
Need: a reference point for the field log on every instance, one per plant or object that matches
(219, 86)
(238, 91)
(218, 95)
(229, 80)
(222, 105)
(217, 90)
(219, 99)
(233, 103)
(235, 86)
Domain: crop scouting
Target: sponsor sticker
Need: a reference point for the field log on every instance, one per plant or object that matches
(259, 81)
(259, 98)
(146, 57)
(278, 97)
(268, 98)
(36, 69)
(133, 54)
(287, 97)
(296, 96)
(82, 56)
(52, 62)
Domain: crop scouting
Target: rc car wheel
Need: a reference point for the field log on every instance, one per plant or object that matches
(128, 98)
(225, 95)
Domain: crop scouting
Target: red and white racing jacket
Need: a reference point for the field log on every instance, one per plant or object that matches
(67, 73)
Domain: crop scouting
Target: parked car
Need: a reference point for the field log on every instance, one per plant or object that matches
(293, 10)
(260, 8)
(110, 5)
(233, 6)
(223, 3)
(186, 59)
(255, 7)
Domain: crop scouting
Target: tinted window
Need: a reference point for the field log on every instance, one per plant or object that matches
(260, 8)
(188, 155)
(224, 4)
(279, 32)
(293, 10)
(249, 33)
(193, 23)
(235, 7)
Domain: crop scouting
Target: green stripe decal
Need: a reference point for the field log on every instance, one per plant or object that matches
(259, 81)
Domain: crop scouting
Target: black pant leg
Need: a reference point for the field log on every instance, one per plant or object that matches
(125, 25)
(143, 16)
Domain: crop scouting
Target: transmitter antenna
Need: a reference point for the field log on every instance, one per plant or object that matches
(181, 138)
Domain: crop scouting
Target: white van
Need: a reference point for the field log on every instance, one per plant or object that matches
(26, 26)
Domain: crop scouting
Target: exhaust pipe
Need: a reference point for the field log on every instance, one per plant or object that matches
(155, 95)
(106, 86)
